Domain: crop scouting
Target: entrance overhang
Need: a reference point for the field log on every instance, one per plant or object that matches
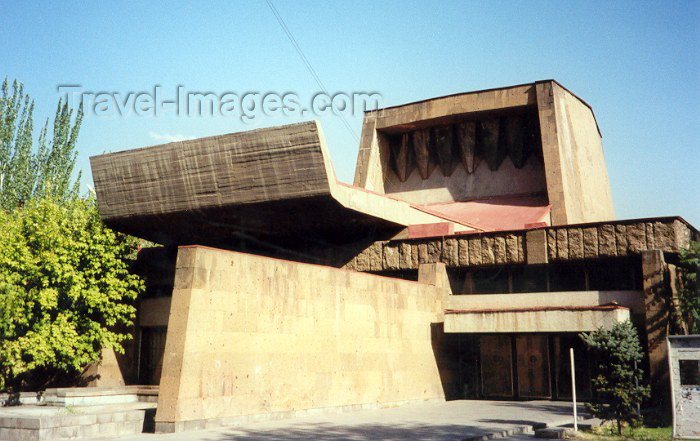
(274, 186)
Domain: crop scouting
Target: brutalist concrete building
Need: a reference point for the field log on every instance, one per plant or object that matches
(477, 240)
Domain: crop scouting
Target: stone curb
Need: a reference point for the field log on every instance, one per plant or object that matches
(520, 430)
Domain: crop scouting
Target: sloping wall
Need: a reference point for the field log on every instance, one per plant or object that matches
(254, 337)
(577, 177)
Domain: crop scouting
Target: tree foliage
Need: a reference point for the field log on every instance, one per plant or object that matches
(65, 289)
(689, 292)
(617, 384)
(26, 170)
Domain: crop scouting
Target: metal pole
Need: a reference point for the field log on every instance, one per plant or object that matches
(573, 387)
(636, 383)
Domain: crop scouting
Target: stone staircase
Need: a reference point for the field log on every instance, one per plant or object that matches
(81, 413)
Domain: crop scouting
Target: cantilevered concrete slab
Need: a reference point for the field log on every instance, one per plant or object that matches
(273, 185)
(572, 311)
(543, 319)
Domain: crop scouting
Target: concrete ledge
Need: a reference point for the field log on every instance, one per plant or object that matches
(21, 398)
(632, 299)
(101, 391)
(97, 396)
(542, 320)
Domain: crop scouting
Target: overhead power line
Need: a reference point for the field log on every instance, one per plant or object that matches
(307, 63)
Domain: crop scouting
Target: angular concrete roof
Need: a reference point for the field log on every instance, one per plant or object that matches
(274, 184)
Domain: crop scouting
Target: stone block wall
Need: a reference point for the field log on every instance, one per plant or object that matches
(620, 238)
(251, 337)
(571, 242)
(455, 251)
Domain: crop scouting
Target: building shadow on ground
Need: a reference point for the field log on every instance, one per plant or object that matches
(554, 408)
(332, 432)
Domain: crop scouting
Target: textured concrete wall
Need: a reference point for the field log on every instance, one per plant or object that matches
(577, 178)
(253, 337)
(240, 168)
(507, 180)
(586, 183)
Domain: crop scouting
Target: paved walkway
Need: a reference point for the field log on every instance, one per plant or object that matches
(450, 421)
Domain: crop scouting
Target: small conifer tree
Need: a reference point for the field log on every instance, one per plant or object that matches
(617, 384)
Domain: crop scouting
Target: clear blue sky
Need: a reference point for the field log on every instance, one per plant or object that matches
(637, 64)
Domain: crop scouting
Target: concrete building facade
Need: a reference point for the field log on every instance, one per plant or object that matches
(477, 240)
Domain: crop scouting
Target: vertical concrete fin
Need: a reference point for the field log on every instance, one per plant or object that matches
(657, 316)
(421, 147)
(178, 327)
(466, 137)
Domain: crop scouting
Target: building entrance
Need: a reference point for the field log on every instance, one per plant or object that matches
(531, 366)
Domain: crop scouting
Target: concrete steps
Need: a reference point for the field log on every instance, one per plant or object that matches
(554, 430)
(81, 413)
(39, 423)
(95, 396)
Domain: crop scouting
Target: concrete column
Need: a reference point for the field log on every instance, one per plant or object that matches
(657, 315)
(536, 246)
(546, 108)
(434, 274)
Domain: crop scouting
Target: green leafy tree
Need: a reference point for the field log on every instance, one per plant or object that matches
(689, 292)
(27, 171)
(65, 290)
(617, 384)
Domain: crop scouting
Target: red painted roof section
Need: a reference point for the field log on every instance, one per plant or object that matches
(431, 230)
(495, 214)
(500, 213)
(417, 207)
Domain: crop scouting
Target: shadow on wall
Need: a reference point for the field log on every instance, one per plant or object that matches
(445, 359)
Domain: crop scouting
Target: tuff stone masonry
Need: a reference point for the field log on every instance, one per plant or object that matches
(477, 240)
(571, 242)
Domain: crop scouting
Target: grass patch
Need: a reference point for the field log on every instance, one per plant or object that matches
(609, 433)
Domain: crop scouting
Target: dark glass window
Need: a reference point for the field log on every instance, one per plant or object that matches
(690, 372)
(458, 282)
(610, 275)
(529, 278)
(490, 280)
(567, 278)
